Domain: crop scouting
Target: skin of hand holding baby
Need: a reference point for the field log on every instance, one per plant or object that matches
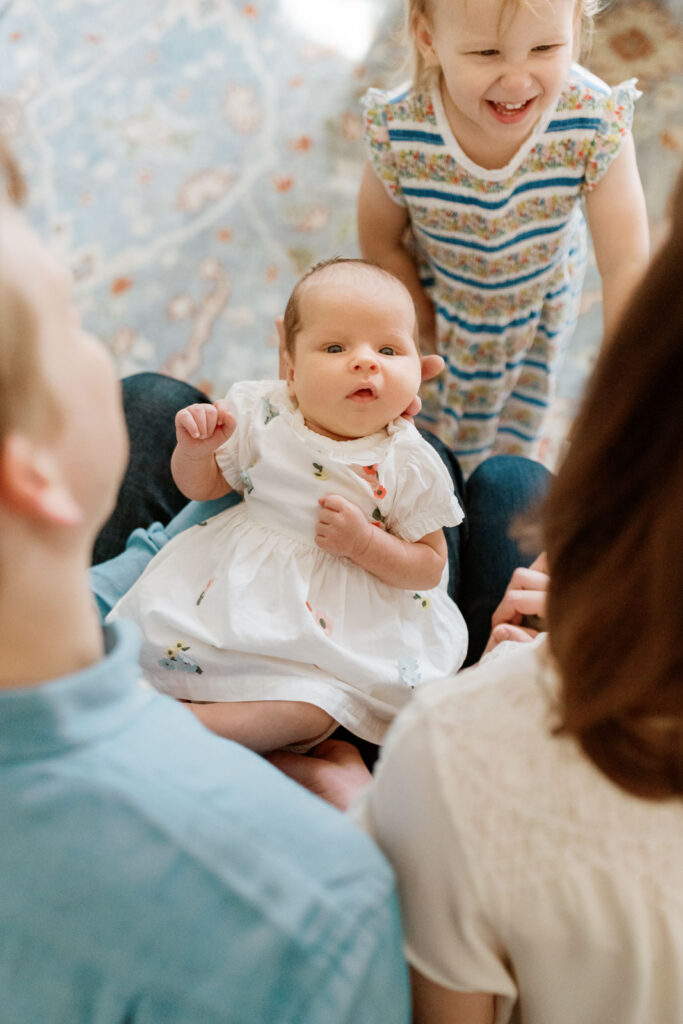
(352, 369)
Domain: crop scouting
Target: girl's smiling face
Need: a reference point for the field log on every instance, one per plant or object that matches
(501, 69)
(355, 365)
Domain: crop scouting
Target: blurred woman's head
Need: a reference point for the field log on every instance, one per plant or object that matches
(614, 536)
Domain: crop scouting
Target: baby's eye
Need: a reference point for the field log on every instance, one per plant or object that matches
(333, 348)
(488, 53)
(545, 48)
(387, 350)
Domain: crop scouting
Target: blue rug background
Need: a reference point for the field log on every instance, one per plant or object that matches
(188, 158)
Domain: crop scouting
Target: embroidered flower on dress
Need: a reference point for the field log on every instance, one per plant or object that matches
(424, 601)
(269, 411)
(409, 671)
(201, 596)
(177, 659)
(321, 620)
(246, 480)
(378, 519)
(319, 471)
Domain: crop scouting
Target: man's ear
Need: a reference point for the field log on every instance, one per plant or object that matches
(423, 33)
(31, 483)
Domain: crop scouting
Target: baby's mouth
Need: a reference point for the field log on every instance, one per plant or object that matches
(363, 394)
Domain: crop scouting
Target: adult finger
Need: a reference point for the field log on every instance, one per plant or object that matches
(517, 603)
(432, 365)
(540, 564)
(506, 631)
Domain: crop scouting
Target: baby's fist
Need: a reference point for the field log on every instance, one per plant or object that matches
(342, 528)
(204, 426)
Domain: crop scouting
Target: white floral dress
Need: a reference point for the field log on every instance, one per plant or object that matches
(501, 251)
(247, 607)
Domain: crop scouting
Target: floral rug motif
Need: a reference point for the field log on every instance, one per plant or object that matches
(188, 158)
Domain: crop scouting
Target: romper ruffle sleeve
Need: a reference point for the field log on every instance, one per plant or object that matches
(377, 107)
(236, 455)
(615, 123)
(425, 501)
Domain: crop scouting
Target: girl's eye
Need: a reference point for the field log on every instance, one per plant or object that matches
(333, 348)
(488, 53)
(387, 350)
(545, 48)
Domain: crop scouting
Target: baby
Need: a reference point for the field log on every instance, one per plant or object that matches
(321, 598)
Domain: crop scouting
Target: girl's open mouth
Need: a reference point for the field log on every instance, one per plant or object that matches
(510, 113)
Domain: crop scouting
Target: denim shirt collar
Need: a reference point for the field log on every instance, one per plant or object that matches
(69, 712)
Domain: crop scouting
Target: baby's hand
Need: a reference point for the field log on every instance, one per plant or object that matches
(202, 428)
(342, 528)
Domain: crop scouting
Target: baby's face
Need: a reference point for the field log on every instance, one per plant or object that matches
(356, 366)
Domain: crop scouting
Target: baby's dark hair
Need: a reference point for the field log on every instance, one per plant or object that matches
(292, 317)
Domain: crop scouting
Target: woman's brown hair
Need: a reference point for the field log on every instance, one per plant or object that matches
(614, 536)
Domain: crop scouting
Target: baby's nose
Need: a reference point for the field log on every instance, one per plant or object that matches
(365, 359)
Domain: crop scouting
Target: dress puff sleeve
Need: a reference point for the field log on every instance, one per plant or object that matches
(445, 904)
(377, 107)
(424, 500)
(234, 457)
(615, 124)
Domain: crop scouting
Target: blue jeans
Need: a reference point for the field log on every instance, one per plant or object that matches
(481, 554)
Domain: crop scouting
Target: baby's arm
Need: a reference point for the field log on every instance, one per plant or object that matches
(200, 430)
(343, 530)
(617, 218)
(381, 227)
(264, 725)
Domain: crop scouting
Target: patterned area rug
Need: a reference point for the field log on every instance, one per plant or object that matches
(188, 158)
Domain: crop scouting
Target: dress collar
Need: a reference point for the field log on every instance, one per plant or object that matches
(75, 710)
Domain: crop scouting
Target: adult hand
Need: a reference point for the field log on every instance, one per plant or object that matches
(334, 771)
(520, 615)
(432, 365)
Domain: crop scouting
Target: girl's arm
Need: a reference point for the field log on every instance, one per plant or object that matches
(343, 530)
(200, 430)
(381, 228)
(617, 218)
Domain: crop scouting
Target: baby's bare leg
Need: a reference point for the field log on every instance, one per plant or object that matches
(264, 725)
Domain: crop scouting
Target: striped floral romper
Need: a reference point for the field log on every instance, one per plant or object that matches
(501, 252)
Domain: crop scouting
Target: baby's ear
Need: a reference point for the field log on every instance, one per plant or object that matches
(31, 483)
(283, 356)
(287, 367)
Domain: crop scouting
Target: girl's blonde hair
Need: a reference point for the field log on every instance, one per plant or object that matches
(414, 8)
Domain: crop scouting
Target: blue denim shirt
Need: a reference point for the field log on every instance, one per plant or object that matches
(155, 873)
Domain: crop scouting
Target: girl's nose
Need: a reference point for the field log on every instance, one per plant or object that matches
(515, 80)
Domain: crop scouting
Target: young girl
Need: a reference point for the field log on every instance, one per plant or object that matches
(486, 156)
(320, 599)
